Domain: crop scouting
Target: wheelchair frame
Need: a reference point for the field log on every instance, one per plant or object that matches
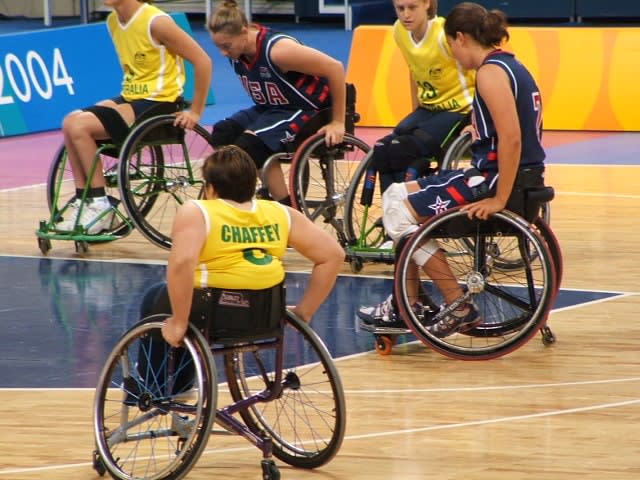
(148, 176)
(148, 427)
(514, 297)
(363, 230)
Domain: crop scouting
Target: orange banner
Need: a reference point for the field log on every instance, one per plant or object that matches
(588, 76)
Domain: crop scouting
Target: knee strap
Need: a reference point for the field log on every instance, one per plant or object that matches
(112, 122)
(255, 147)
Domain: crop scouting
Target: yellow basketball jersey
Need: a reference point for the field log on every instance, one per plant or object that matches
(441, 81)
(150, 70)
(243, 248)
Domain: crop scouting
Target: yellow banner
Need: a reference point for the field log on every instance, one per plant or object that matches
(588, 76)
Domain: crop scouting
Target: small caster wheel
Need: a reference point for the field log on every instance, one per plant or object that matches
(384, 344)
(44, 244)
(98, 464)
(270, 470)
(548, 338)
(82, 247)
(356, 264)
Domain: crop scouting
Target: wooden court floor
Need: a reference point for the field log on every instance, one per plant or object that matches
(568, 411)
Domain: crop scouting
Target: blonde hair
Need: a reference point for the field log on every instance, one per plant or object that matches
(228, 18)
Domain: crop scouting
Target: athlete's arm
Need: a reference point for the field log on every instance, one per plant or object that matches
(495, 88)
(167, 32)
(188, 236)
(327, 256)
(289, 55)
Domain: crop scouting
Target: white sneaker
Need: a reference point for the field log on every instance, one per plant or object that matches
(97, 215)
(386, 245)
(68, 215)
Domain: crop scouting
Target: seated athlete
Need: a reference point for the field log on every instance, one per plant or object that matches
(289, 84)
(231, 240)
(507, 123)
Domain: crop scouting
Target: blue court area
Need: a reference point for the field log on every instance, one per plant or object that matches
(61, 318)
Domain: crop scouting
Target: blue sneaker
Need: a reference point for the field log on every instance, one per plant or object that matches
(462, 319)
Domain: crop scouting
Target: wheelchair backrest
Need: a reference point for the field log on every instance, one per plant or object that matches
(239, 315)
(323, 117)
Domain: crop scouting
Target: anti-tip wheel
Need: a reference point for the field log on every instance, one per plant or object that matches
(384, 344)
(270, 470)
(44, 244)
(548, 338)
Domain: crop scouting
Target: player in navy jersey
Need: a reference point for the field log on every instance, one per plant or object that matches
(507, 128)
(288, 82)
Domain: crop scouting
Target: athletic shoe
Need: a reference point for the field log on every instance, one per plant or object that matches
(66, 218)
(384, 314)
(97, 216)
(462, 319)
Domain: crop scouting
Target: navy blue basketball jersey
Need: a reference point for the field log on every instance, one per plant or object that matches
(529, 108)
(269, 86)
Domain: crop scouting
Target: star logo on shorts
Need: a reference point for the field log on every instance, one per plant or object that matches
(440, 205)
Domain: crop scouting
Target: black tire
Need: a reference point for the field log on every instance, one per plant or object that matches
(513, 304)
(149, 423)
(159, 170)
(307, 421)
(363, 208)
(320, 177)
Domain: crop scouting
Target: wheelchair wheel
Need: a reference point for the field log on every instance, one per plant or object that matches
(458, 155)
(307, 421)
(61, 188)
(513, 304)
(363, 208)
(159, 170)
(154, 405)
(320, 176)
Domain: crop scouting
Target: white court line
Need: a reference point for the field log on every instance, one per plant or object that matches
(431, 428)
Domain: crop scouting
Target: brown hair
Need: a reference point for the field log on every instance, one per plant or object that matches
(432, 11)
(232, 173)
(228, 18)
(487, 27)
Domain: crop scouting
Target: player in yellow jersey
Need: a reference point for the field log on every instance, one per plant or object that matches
(232, 240)
(442, 93)
(151, 48)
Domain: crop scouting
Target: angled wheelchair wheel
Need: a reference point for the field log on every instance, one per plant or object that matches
(159, 170)
(154, 405)
(61, 188)
(363, 207)
(306, 422)
(458, 156)
(514, 304)
(320, 177)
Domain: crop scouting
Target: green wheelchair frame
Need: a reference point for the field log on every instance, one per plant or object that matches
(363, 229)
(148, 176)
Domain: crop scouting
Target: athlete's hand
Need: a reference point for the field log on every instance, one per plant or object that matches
(173, 331)
(186, 119)
(471, 131)
(333, 133)
(482, 209)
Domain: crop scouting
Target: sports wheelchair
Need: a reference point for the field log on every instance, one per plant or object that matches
(318, 175)
(155, 406)
(150, 169)
(363, 230)
(509, 266)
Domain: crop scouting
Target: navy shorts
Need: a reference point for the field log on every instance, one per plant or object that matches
(443, 191)
(276, 127)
